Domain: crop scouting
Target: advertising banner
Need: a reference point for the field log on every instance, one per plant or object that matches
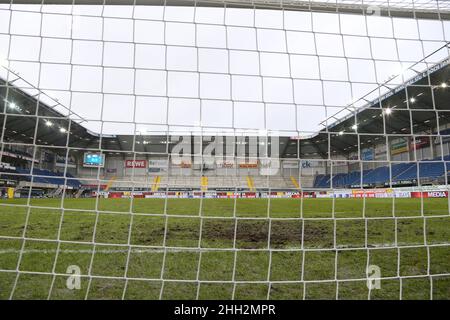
(185, 164)
(306, 164)
(290, 164)
(248, 195)
(420, 142)
(60, 161)
(158, 163)
(248, 164)
(402, 194)
(6, 166)
(368, 154)
(399, 146)
(375, 193)
(225, 163)
(138, 164)
(429, 194)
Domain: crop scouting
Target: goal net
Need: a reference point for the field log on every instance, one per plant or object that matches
(177, 149)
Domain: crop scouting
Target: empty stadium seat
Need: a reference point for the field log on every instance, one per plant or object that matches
(428, 169)
(45, 177)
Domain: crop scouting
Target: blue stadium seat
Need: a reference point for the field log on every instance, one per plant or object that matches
(433, 168)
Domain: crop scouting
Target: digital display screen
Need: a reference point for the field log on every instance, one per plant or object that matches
(93, 160)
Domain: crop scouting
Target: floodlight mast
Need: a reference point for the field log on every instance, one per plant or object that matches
(442, 10)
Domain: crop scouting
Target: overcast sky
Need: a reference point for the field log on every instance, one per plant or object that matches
(246, 69)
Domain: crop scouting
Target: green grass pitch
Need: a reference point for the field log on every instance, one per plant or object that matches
(249, 248)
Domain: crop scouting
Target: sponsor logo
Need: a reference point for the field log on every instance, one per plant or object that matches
(437, 194)
(139, 164)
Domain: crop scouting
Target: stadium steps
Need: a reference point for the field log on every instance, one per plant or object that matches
(155, 184)
(79, 193)
(204, 183)
(250, 183)
(57, 191)
(295, 182)
(110, 183)
(305, 182)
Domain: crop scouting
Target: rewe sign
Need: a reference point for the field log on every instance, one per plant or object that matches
(138, 164)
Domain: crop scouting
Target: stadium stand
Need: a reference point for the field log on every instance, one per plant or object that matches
(310, 152)
(401, 172)
(41, 176)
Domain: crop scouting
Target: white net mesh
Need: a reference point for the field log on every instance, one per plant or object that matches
(228, 150)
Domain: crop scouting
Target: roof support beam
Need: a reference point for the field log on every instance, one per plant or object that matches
(291, 5)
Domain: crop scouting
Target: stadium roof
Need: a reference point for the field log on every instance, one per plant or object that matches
(410, 108)
(424, 9)
(413, 108)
